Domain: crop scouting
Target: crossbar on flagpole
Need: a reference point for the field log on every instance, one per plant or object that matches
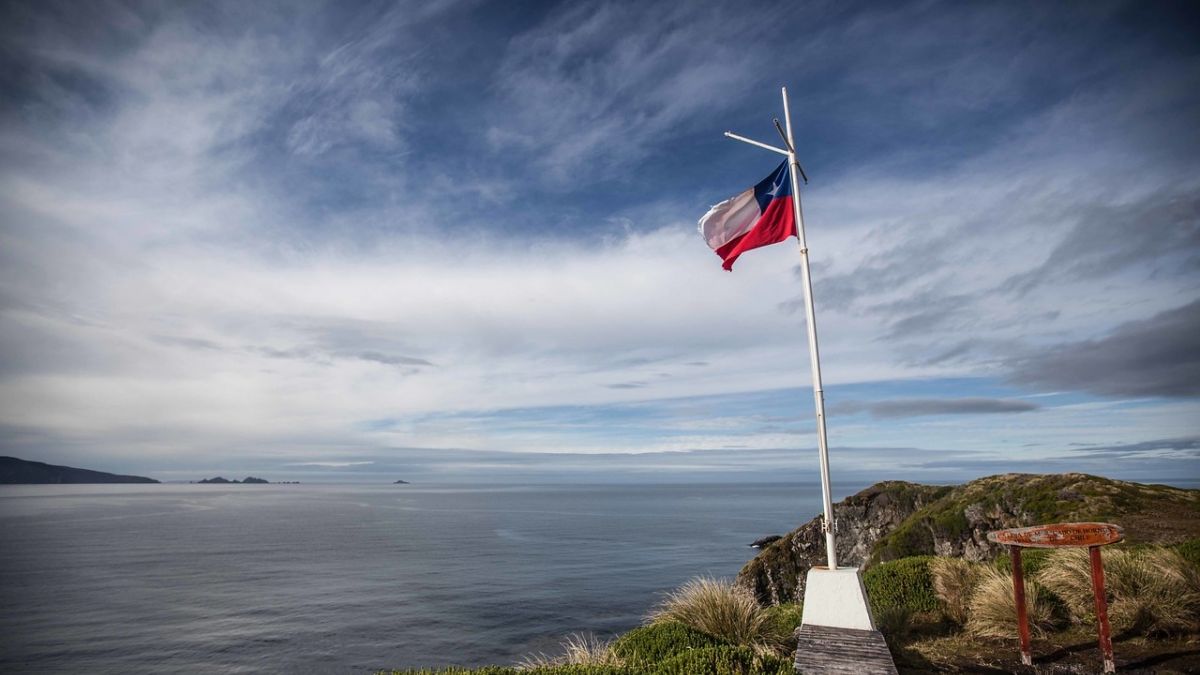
(764, 146)
(810, 314)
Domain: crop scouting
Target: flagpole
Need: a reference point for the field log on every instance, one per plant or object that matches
(813, 352)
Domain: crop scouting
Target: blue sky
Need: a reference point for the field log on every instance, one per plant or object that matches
(456, 240)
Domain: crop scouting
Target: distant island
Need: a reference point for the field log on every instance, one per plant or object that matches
(15, 471)
(401, 482)
(248, 479)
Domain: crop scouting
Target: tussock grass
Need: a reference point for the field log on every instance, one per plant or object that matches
(954, 584)
(723, 610)
(1068, 573)
(1152, 591)
(579, 649)
(993, 609)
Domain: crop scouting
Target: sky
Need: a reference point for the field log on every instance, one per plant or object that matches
(456, 241)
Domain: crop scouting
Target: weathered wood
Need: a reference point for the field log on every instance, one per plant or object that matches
(1059, 535)
(823, 650)
(1106, 649)
(1022, 613)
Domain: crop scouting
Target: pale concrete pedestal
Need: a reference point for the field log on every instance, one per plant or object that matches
(836, 598)
(837, 634)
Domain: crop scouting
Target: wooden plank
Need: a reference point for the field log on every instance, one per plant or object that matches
(1059, 534)
(824, 650)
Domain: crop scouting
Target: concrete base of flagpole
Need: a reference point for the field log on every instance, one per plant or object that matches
(836, 598)
(837, 634)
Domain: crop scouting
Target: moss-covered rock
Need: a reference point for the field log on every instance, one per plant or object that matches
(776, 575)
(957, 524)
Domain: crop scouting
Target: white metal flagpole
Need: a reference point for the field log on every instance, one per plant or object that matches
(813, 352)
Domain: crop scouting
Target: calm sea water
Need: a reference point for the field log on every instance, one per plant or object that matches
(347, 579)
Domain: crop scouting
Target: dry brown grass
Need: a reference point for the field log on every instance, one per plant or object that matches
(1067, 574)
(954, 582)
(993, 609)
(1154, 591)
(579, 649)
(722, 610)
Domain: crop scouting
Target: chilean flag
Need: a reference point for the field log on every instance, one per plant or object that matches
(760, 216)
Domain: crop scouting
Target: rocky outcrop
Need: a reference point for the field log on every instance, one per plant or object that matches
(896, 519)
(777, 574)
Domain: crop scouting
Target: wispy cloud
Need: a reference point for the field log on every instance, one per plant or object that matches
(232, 230)
(625, 79)
(935, 406)
(330, 465)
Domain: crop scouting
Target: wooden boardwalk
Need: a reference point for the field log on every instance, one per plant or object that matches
(823, 650)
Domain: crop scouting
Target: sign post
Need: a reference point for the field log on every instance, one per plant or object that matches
(1018, 573)
(1061, 535)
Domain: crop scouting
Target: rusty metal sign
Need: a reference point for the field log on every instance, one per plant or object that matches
(1059, 535)
(1091, 535)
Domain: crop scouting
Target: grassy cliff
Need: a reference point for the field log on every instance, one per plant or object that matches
(958, 522)
(896, 519)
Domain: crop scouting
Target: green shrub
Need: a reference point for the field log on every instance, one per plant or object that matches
(901, 584)
(1190, 550)
(786, 617)
(1032, 561)
(505, 670)
(721, 609)
(951, 523)
(659, 641)
(485, 670)
(723, 660)
(579, 670)
(911, 538)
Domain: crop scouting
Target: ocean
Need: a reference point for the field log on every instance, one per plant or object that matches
(353, 578)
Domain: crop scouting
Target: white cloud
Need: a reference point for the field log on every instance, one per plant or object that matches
(601, 85)
(164, 294)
